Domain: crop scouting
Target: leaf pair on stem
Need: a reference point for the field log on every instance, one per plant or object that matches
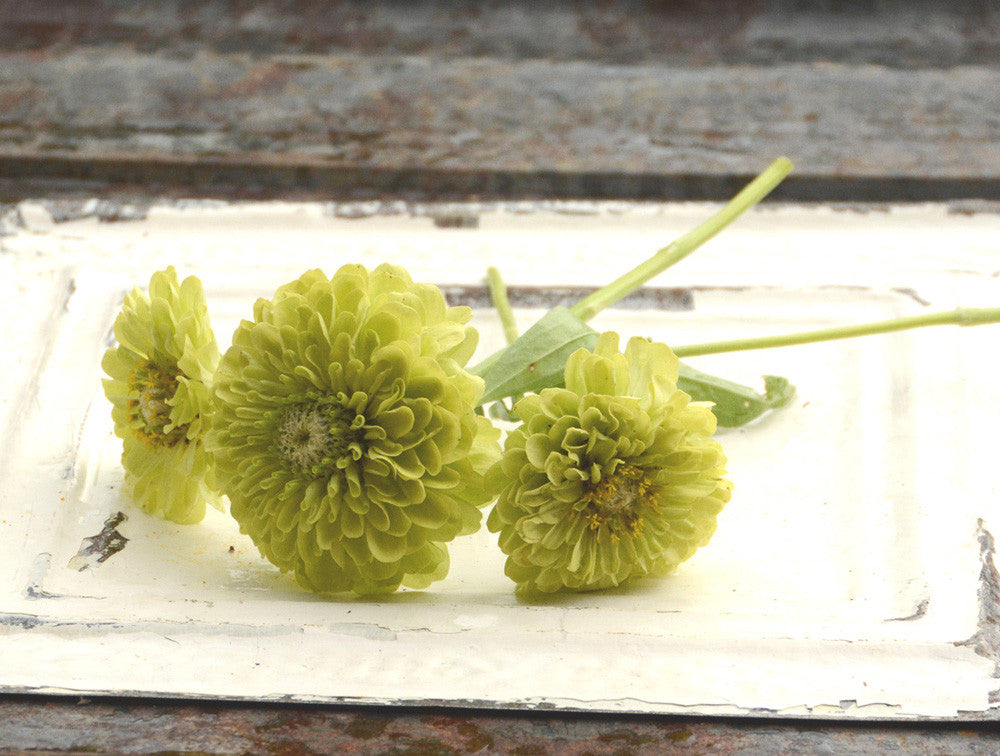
(537, 359)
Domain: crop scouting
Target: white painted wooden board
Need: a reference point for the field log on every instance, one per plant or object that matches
(851, 575)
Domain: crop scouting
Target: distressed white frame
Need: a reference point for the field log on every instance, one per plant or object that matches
(851, 576)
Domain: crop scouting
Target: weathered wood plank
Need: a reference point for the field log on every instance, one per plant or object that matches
(318, 115)
(521, 115)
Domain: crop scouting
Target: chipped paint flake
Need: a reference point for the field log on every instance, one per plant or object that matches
(39, 568)
(97, 549)
(986, 639)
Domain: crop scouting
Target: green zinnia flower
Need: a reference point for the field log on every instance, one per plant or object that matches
(346, 437)
(159, 386)
(611, 478)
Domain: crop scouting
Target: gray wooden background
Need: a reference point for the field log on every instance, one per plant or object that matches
(881, 101)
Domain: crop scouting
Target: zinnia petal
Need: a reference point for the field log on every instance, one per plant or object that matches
(159, 385)
(352, 386)
(613, 478)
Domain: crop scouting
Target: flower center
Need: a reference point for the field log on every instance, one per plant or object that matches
(315, 435)
(150, 390)
(615, 501)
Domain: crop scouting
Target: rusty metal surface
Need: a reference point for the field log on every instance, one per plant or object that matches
(131, 726)
(896, 33)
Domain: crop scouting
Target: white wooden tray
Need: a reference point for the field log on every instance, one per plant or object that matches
(852, 574)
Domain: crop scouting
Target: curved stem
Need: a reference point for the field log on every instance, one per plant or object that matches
(680, 248)
(963, 316)
(498, 293)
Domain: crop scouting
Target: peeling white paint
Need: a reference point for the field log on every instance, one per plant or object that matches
(844, 581)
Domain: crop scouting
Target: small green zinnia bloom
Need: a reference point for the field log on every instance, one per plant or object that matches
(346, 436)
(160, 389)
(613, 477)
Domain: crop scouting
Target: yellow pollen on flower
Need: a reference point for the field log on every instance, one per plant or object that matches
(616, 500)
(312, 436)
(150, 390)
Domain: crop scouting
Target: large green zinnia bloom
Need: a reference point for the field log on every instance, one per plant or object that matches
(611, 478)
(346, 437)
(159, 386)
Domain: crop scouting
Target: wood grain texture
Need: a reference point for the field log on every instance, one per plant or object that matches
(123, 726)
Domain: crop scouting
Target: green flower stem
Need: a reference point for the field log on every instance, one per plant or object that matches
(963, 316)
(680, 248)
(498, 293)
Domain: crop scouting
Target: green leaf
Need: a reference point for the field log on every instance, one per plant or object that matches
(537, 359)
(734, 404)
(501, 410)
